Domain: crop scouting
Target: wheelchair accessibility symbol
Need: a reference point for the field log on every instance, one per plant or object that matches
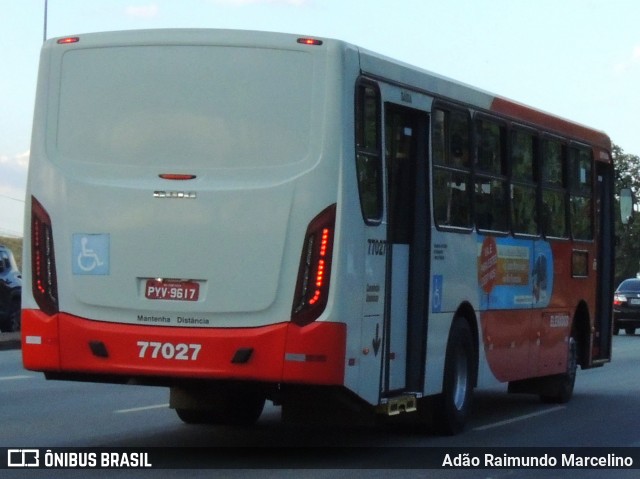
(436, 293)
(90, 254)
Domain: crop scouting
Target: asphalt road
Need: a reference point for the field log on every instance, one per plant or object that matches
(39, 413)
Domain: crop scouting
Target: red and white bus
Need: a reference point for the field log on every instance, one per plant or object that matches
(243, 216)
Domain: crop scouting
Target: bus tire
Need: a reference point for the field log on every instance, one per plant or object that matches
(459, 371)
(562, 385)
(230, 408)
(15, 316)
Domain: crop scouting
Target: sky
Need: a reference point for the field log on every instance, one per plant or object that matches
(579, 59)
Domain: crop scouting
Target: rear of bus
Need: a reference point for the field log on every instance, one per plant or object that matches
(181, 218)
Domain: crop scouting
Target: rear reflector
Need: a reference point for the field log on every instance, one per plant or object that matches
(314, 274)
(176, 176)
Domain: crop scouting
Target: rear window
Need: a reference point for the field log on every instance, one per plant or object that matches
(219, 107)
(630, 285)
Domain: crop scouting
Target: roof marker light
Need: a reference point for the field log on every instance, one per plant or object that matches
(65, 40)
(309, 41)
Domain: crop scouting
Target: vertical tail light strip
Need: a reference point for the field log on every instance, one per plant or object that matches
(43, 264)
(314, 274)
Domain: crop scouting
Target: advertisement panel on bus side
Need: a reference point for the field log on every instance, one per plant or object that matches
(514, 273)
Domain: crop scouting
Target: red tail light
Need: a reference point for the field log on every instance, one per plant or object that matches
(43, 263)
(312, 288)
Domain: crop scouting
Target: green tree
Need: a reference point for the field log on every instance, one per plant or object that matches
(627, 254)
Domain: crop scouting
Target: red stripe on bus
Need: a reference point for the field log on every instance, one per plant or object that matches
(523, 113)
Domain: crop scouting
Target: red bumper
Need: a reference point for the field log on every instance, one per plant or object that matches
(280, 353)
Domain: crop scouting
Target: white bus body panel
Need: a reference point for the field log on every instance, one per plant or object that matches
(248, 204)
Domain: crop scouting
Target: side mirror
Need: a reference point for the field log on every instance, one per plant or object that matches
(626, 206)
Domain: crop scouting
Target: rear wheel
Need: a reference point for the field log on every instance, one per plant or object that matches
(11, 321)
(458, 384)
(563, 384)
(14, 315)
(236, 406)
(630, 330)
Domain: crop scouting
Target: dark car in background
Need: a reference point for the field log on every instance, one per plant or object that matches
(626, 306)
(10, 291)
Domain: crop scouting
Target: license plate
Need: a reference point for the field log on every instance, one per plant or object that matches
(172, 290)
(634, 301)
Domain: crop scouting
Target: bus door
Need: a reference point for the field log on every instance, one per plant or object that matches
(406, 137)
(605, 277)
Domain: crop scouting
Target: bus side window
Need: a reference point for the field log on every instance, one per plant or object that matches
(451, 172)
(368, 156)
(554, 208)
(490, 198)
(524, 217)
(580, 188)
